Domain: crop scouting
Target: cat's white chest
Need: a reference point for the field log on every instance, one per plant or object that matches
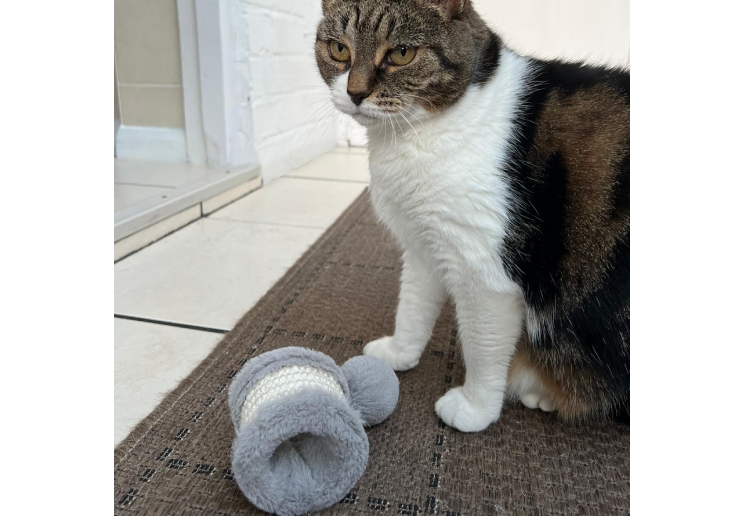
(442, 190)
(450, 210)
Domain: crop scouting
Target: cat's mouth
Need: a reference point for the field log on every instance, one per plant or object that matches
(366, 114)
(365, 120)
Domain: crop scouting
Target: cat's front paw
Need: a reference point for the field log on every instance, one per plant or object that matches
(455, 409)
(387, 350)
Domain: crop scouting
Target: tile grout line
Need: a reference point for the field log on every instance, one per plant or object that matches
(169, 323)
(279, 224)
(362, 151)
(353, 181)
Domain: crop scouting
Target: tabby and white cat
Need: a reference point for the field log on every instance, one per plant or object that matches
(506, 181)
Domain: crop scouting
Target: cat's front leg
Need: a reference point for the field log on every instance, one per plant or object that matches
(490, 325)
(421, 299)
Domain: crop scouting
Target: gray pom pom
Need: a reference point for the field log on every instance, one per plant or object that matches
(373, 388)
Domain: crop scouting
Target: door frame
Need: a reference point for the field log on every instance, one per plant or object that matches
(211, 107)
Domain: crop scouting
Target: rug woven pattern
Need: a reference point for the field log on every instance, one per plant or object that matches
(341, 294)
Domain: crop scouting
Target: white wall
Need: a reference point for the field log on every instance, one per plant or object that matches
(594, 30)
(279, 85)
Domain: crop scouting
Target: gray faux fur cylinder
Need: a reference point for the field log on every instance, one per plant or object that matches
(300, 445)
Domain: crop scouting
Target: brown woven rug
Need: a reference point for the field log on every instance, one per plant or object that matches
(341, 294)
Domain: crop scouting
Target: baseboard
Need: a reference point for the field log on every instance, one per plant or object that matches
(151, 143)
(232, 195)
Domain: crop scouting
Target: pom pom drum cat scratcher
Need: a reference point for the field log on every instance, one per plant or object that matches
(299, 420)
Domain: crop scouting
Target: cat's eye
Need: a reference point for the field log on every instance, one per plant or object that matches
(339, 51)
(401, 55)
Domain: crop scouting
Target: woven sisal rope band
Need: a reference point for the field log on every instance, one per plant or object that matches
(285, 382)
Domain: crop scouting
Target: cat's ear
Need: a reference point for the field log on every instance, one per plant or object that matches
(447, 8)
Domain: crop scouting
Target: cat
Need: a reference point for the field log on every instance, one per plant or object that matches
(506, 182)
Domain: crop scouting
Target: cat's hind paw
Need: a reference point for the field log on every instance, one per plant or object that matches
(387, 350)
(455, 409)
(533, 401)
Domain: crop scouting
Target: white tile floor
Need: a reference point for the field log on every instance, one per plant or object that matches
(208, 274)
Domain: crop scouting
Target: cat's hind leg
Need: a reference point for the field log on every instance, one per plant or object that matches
(528, 385)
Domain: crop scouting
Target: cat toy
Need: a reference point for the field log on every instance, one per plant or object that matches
(299, 420)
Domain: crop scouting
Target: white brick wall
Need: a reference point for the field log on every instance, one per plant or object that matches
(279, 85)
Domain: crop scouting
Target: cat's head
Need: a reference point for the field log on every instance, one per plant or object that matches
(386, 57)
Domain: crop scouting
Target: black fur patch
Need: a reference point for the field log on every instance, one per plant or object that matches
(546, 198)
(621, 188)
(590, 331)
(378, 22)
(601, 327)
(571, 77)
(391, 28)
(487, 62)
(445, 62)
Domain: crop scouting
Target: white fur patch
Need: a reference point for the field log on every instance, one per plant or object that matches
(438, 183)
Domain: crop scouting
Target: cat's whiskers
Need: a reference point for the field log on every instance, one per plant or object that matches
(422, 98)
(394, 116)
(409, 123)
(324, 115)
(392, 130)
(338, 113)
(416, 115)
(330, 104)
(385, 138)
(379, 130)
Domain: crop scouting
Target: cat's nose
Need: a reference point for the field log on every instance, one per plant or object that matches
(358, 96)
